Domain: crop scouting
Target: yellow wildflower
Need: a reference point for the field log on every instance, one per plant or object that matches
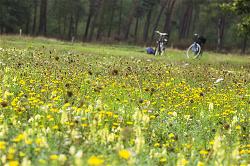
(238, 127)
(156, 145)
(21, 154)
(163, 160)
(53, 157)
(2, 145)
(125, 154)
(211, 142)
(129, 123)
(203, 152)
(13, 163)
(116, 124)
(28, 141)
(84, 125)
(171, 135)
(19, 138)
(244, 152)
(11, 152)
(183, 162)
(200, 163)
(22, 82)
(172, 113)
(95, 161)
(152, 117)
(55, 127)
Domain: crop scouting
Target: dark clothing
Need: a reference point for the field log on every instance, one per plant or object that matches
(201, 40)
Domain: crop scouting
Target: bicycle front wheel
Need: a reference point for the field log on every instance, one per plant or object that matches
(162, 49)
(157, 50)
(193, 51)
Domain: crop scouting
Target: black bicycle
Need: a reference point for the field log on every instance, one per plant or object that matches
(195, 49)
(161, 43)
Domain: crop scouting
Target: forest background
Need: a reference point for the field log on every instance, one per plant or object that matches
(225, 23)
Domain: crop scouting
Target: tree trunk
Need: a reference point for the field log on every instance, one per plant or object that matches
(158, 21)
(93, 27)
(190, 14)
(100, 22)
(127, 28)
(34, 17)
(196, 17)
(43, 18)
(186, 20)
(170, 7)
(147, 24)
(136, 28)
(87, 26)
(59, 26)
(76, 23)
(70, 27)
(64, 27)
(111, 22)
(120, 18)
(92, 19)
(244, 45)
(130, 18)
(27, 28)
(220, 32)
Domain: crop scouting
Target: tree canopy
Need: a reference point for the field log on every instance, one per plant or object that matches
(241, 8)
(131, 20)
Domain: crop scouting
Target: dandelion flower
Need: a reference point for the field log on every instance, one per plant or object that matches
(2, 145)
(238, 127)
(203, 152)
(171, 135)
(13, 163)
(200, 163)
(125, 154)
(163, 160)
(95, 161)
(156, 145)
(53, 157)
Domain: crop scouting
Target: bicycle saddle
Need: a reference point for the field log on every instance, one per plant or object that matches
(162, 34)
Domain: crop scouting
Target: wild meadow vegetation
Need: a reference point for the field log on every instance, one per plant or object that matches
(91, 104)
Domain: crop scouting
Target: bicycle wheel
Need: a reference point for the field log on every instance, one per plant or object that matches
(161, 49)
(157, 50)
(193, 51)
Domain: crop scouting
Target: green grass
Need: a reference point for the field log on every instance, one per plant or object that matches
(97, 104)
(118, 50)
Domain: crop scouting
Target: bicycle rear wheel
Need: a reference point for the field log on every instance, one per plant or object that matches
(193, 51)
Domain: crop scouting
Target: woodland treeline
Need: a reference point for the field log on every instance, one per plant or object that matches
(224, 23)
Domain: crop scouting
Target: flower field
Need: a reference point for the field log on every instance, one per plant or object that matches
(62, 105)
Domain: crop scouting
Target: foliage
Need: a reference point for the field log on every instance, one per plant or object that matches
(242, 9)
(13, 14)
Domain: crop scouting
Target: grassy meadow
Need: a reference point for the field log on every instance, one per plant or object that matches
(96, 104)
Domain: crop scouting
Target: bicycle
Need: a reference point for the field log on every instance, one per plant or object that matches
(195, 49)
(161, 43)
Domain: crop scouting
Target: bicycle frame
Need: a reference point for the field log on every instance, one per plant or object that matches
(161, 43)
